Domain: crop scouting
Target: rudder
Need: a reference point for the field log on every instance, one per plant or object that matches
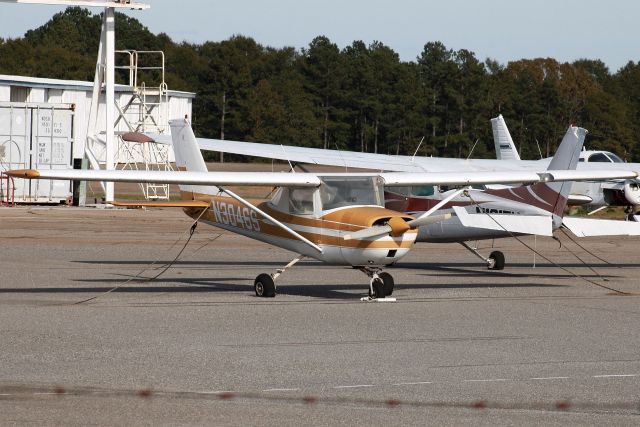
(188, 156)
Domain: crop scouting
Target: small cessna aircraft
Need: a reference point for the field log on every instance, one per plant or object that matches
(591, 193)
(338, 218)
(596, 194)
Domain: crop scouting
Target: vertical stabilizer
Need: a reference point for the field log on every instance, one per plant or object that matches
(188, 156)
(185, 147)
(553, 196)
(505, 148)
(566, 158)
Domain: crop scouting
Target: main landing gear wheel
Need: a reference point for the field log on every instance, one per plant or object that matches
(387, 281)
(264, 286)
(376, 290)
(496, 261)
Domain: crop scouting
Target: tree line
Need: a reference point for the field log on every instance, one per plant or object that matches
(361, 97)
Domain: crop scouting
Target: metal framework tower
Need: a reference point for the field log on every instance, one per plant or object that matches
(145, 111)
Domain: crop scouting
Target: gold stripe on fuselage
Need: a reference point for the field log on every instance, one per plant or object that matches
(229, 213)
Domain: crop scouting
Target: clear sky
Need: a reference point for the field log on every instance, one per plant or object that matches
(504, 30)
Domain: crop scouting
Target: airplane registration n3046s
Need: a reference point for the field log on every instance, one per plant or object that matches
(236, 215)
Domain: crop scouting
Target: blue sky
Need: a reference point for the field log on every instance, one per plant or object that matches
(500, 29)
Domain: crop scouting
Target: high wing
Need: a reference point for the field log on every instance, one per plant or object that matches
(271, 179)
(313, 156)
(524, 224)
(281, 179)
(381, 162)
(587, 227)
(353, 159)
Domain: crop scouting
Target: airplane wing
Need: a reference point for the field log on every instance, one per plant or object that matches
(376, 161)
(352, 159)
(270, 179)
(399, 179)
(587, 227)
(283, 179)
(313, 156)
(523, 224)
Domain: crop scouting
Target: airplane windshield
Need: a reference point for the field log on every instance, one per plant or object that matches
(339, 191)
(615, 158)
(599, 157)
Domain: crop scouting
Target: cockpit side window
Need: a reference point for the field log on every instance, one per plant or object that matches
(423, 191)
(301, 200)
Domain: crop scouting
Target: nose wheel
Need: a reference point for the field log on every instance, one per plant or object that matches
(380, 284)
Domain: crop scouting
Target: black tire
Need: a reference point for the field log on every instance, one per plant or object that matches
(264, 286)
(498, 260)
(378, 288)
(387, 280)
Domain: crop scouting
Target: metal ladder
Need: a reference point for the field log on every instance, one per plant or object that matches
(146, 111)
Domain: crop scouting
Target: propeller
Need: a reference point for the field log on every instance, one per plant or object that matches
(395, 230)
(397, 226)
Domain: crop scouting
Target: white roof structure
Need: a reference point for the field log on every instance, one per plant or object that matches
(40, 82)
(56, 91)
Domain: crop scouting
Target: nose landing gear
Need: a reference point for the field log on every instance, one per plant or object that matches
(380, 284)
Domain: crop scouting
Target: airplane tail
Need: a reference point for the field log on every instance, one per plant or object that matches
(552, 197)
(566, 158)
(188, 157)
(505, 148)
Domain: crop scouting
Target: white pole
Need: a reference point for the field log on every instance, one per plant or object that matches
(110, 98)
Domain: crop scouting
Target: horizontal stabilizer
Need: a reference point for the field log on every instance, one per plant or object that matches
(587, 227)
(540, 225)
(163, 204)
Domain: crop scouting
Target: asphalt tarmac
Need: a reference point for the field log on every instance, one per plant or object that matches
(460, 346)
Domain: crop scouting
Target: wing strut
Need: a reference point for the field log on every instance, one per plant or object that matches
(272, 219)
(422, 219)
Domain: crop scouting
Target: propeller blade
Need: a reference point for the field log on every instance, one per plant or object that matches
(374, 231)
(380, 230)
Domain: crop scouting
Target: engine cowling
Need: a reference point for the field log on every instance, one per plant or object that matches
(632, 192)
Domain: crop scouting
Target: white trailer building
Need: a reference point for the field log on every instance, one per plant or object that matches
(54, 91)
(139, 108)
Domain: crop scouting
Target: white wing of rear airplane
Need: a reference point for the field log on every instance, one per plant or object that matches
(587, 227)
(381, 162)
(541, 225)
(353, 159)
(505, 148)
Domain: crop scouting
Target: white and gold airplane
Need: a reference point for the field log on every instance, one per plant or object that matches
(337, 218)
